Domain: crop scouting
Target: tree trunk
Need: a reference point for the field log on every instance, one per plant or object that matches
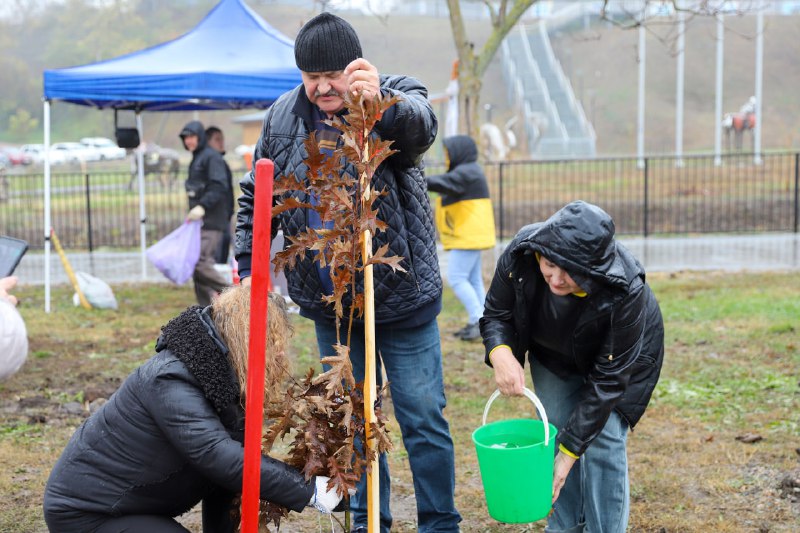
(469, 100)
(473, 66)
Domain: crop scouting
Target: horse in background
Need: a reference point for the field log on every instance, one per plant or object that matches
(735, 124)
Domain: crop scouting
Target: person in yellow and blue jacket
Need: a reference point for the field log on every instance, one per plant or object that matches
(465, 220)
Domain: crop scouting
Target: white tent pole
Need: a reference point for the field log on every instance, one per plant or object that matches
(142, 212)
(759, 82)
(640, 119)
(718, 112)
(679, 84)
(47, 221)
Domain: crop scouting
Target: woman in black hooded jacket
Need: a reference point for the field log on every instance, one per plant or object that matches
(576, 302)
(172, 435)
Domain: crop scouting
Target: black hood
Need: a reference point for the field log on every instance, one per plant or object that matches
(460, 149)
(580, 239)
(195, 127)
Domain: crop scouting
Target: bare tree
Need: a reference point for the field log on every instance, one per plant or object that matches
(504, 15)
(473, 64)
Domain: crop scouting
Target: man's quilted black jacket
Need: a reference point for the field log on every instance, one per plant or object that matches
(412, 125)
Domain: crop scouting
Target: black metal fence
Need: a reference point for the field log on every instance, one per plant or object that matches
(91, 211)
(659, 195)
(654, 196)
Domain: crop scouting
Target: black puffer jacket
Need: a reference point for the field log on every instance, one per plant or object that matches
(170, 437)
(617, 340)
(209, 182)
(411, 124)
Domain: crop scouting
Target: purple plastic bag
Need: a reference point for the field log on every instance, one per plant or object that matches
(176, 254)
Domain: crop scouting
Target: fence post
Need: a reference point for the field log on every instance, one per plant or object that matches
(500, 199)
(796, 191)
(88, 215)
(646, 207)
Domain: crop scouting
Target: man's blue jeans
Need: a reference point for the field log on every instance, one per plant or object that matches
(412, 358)
(465, 277)
(595, 497)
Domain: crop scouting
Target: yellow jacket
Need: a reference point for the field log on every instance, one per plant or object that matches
(464, 211)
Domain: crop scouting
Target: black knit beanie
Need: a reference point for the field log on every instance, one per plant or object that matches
(326, 43)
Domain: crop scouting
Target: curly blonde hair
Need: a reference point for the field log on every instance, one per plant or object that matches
(231, 313)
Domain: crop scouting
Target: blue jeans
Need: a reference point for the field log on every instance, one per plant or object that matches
(412, 358)
(465, 277)
(595, 498)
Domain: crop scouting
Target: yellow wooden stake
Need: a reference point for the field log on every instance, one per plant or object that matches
(70, 274)
(370, 390)
(370, 368)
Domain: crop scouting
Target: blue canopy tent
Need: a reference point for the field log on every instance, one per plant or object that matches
(232, 59)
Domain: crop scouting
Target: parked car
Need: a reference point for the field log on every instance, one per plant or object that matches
(75, 152)
(36, 153)
(104, 148)
(16, 156)
(5, 162)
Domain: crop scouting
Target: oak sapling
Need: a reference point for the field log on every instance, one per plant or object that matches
(324, 414)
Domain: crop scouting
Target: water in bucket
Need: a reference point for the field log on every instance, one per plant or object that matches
(516, 468)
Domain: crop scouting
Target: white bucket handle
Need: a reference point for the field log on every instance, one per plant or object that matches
(532, 397)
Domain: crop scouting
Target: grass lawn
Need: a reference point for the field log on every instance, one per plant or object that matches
(732, 356)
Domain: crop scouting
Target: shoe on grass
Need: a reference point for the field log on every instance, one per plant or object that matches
(461, 331)
(471, 332)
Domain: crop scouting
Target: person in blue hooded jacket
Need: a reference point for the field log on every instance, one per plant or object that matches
(573, 301)
(465, 220)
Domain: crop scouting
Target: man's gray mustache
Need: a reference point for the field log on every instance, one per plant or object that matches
(332, 92)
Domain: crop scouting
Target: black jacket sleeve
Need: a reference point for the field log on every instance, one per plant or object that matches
(451, 183)
(412, 125)
(216, 189)
(243, 247)
(192, 425)
(497, 323)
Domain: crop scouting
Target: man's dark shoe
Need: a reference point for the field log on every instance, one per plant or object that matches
(461, 331)
(471, 332)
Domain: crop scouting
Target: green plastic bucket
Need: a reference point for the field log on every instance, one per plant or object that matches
(516, 463)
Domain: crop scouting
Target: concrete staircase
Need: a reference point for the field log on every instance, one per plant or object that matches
(554, 121)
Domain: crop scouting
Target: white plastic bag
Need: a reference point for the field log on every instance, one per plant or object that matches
(13, 340)
(96, 291)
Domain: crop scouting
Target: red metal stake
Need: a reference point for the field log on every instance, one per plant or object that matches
(254, 402)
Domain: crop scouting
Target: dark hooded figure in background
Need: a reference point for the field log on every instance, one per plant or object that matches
(465, 220)
(210, 198)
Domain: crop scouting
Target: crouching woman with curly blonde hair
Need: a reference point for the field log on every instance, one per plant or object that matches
(171, 436)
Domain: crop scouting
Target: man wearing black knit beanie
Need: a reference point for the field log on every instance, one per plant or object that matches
(329, 56)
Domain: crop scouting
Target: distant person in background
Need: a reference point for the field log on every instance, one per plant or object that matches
(210, 198)
(216, 140)
(13, 335)
(465, 220)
